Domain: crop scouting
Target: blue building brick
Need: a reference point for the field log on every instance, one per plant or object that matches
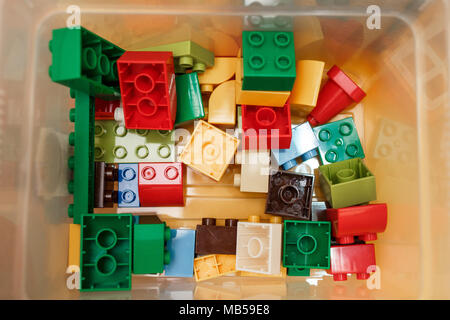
(128, 185)
(181, 247)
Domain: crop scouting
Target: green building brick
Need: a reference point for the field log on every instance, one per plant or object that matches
(307, 244)
(149, 248)
(298, 272)
(116, 144)
(269, 60)
(189, 98)
(85, 62)
(347, 183)
(338, 141)
(105, 260)
(82, 162)
(187, 55)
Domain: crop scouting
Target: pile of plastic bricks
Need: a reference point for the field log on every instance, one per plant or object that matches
(132, 107)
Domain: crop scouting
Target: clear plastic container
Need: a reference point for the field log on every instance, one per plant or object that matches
(403, 122)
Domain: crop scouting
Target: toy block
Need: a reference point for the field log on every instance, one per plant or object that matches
(206, 267)
(303, 144)
(258, 247)
(222, 104)
(290, 194)
(181, 247)
(149, 253)
(307, 83)
(104, 109)
(254, 176)
(189, 98)
(147, 84)
(128, 195)
(226, 263)
(347, 183)
(266, 127)
(209, 150)
(363, 222)
(74, 245)
(105, 175)
(338, 93)
(212, 239)
(116, 144)
(298, 272)
(268, 22)
(257, 98)
(187, 55)
(106, 241)
(338, 141)
(306, 244)
(269, 60)
(82, 162)
(223, 70)
(354, 259)
(83, 61)
(161, 184)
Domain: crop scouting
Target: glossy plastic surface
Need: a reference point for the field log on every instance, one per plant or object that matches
(147, 85)
(181, 246)
(355, 259)
(364, 222)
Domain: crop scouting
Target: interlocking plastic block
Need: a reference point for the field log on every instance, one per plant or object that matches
(104, 109)
(266, 127)
(363, 222)
(224, 69)
(254, 176)
(307, 84)
(347, 183)
(338, 93)
(128, 195)
(149, 248)
(161, 184)
(106, 241)
(116, 144)
(85, 62)
(82, 162)
(181, 246)
(226, 263)
(354, 259)
(338, 141)
(269, 60)
(222, 104)
(213, 266)
(211, 239)
(189, 98)
(298, 272)
(290, 194)
(268, 21)
(209, 150)
(105, 175)
(257, 98)
(303, 144)
(74, 245)
(187, 55)
(147, 84)
(306, 244)
(206, 267)
(258, 247)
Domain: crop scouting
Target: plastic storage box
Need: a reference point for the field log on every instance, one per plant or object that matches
(403, 123)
